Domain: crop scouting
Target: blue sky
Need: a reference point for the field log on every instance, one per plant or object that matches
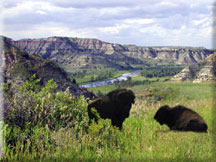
(139, 22)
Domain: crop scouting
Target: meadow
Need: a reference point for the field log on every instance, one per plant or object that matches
(148, 140)
(142, 138)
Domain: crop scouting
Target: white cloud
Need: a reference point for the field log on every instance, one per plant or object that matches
(138, 21)
(41, 12)
(199, 22)
(23, 8)
(1, 18)
(113, 29)
(154, 30)
(150, 22)
(168, 4)
(48, 29)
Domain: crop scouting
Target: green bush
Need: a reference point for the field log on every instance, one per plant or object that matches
(33, 108)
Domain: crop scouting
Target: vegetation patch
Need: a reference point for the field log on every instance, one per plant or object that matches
(160, 71)
(55, 126)
(84, 76)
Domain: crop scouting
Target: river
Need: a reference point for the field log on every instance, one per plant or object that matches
(105, 82)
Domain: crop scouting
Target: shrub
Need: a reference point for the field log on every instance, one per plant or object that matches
(34, 107)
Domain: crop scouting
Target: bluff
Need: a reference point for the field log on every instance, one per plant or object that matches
(18, 66)
(176, 55)
(204, 71)
(96, 54)
(79, 53)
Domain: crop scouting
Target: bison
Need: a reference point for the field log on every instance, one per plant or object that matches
(180, 118)
(115, 105)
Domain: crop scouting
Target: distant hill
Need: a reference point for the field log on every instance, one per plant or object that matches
(96, 54)
(204, 71)
(79, 53)
(176, 55)
(18, 66)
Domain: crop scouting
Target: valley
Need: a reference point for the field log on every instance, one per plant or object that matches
(45, 107)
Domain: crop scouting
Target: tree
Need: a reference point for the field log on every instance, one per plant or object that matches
(129, 79)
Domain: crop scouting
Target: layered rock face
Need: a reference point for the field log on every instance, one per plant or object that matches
(76, 52)
(18, 66)
(177, 55)
(207, 72)
(93, 53)
(204, 71)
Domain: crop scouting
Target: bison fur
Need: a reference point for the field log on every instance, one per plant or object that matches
(115, 105)
(180, 118)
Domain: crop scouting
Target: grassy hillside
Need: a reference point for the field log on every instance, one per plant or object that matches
(142, 138)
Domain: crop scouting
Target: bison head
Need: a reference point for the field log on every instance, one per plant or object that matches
(161, 115)
(126, 97)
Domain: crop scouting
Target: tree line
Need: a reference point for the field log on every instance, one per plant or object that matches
(160, 71)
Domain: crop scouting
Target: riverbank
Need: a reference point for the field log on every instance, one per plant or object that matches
(111, 81)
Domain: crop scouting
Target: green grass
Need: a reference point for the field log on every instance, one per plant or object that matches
(145, 139)
(142, 138)
(141, 78)
(186, 91)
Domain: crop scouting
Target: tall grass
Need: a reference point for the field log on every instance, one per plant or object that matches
(142, 138)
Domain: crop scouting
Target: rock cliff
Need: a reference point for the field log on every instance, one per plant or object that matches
(177, 55)
(79, 53)
(204, 71)
(93, 53)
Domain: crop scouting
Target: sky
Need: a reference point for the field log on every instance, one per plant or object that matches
(138, 22)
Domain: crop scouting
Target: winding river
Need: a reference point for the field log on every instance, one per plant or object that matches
(105, 82)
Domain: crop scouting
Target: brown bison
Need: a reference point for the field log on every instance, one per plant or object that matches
(115, 105)
(180, 118)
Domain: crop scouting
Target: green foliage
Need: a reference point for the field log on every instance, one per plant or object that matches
(6, 87)
(161, 71)
(35, 107)
(101, 127)
(33, 146)
(30, 85)
(105, 74)
(141, 139)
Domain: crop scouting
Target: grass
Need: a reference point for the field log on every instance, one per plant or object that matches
(185, 91)
(142, 138)
(141, 78)
(146, 139)
(159, 143)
